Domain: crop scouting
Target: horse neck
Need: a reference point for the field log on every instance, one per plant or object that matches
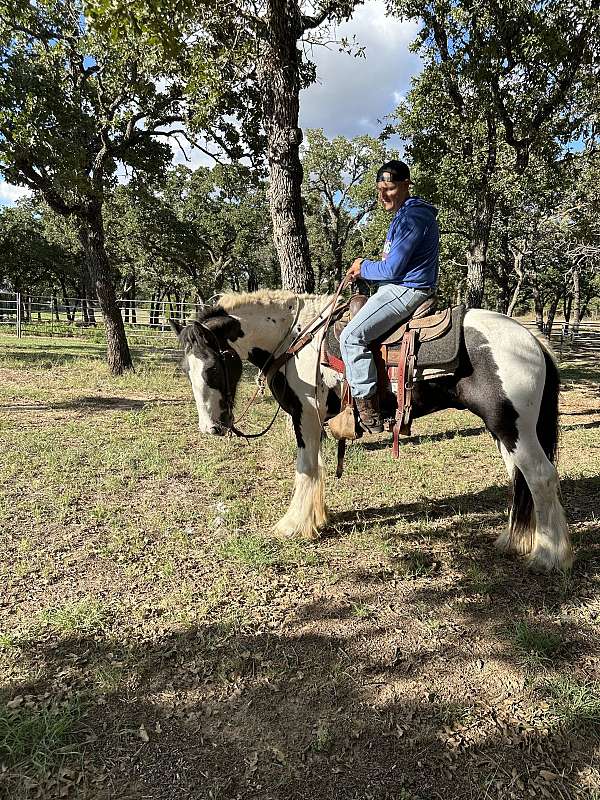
(272, 326)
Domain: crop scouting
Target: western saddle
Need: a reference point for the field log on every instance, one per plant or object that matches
(399, 363)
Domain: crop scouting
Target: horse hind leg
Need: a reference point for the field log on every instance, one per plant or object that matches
(538, 523)
(518, 535)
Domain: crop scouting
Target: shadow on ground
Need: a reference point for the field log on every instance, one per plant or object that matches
(296, 715)
(44, 356)
(327, 702)
(94, 404)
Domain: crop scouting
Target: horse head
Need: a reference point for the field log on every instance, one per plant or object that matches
(212, 366)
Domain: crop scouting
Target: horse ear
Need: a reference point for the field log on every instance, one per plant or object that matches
(176, 326)
(227, 327)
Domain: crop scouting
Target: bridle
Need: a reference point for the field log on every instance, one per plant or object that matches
(227, 352)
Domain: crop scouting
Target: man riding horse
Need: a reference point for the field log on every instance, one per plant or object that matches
(407, 275)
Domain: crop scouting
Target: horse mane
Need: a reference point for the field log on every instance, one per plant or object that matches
(263, 297)
(210, 312)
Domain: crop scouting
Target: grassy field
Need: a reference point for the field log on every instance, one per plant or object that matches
(156, 643)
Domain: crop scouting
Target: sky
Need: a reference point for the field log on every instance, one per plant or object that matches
(352, 96)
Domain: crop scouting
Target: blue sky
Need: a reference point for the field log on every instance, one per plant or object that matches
(352, 96)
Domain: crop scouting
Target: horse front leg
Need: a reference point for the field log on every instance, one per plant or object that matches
(307, 512)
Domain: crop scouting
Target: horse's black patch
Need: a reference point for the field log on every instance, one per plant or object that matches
(282, 392)
(481, 390)
(221, 371)
(333, 404)
(476, 386)
(221, 323)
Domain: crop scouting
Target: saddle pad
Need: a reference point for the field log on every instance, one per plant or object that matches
(332, 344)
(442, 352)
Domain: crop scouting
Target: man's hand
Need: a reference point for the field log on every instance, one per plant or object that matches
(354, 271)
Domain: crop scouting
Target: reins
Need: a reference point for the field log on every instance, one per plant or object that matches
(342, 285)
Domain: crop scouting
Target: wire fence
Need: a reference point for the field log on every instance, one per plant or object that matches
(146, 321)
(566, 338)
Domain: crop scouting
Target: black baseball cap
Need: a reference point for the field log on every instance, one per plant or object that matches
(393, 171)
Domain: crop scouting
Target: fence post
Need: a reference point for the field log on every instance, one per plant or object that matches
(19, 333)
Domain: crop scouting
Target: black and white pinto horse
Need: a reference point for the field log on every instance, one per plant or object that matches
(506, 377)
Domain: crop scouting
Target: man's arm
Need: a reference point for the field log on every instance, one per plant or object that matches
(394, 266)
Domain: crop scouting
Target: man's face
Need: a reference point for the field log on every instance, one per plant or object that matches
(391, 195)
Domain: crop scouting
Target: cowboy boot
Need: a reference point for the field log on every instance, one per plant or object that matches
(368, 412)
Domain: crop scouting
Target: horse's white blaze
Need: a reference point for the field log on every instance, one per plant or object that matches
(208, 400)
(547, 542)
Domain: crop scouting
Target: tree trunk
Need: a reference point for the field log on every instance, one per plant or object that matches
(92, 239)
(252, 281)
(477, 252)
(518, 256)
(539, 309)
(515, 297)
(551, 314)
(339, 263)
(591, 293)
(576, 304)
(70, 312)
(87, 303)
(280, 78)
(567, 304)
(132, 297)
(155, 308)
(484, 215)
(475, 275)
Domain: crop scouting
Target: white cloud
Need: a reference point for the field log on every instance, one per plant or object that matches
(9, 194)
(353, 95)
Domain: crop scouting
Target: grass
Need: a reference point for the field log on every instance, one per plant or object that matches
(36, 740)
(536, 644)
(415, 565)
(362, 610)
(575, 703)
(139, 573)
(259, 552)
(83, 617)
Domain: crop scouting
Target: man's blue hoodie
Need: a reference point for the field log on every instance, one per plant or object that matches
(412, 247)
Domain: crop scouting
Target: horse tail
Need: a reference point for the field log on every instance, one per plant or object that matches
(547, 424)
(522, 523)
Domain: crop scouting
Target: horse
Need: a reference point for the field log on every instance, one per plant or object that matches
(505, 376)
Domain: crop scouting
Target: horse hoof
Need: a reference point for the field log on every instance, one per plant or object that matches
(285, 530)
(544, 561)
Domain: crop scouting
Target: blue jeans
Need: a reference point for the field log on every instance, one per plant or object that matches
(390, 305)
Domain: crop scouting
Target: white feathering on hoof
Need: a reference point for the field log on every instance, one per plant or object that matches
(307, 512)
(552, 548)
(516, 541)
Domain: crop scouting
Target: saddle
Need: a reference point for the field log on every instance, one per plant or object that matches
(423, 347)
